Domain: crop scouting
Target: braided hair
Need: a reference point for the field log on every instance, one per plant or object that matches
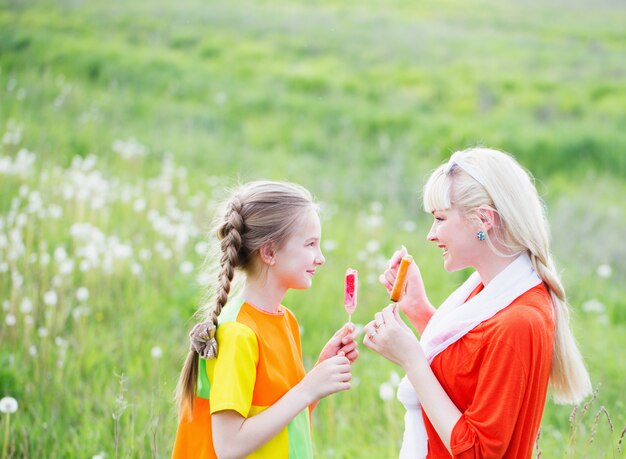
(256, 214)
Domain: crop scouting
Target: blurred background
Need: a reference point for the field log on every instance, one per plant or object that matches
(123, 123)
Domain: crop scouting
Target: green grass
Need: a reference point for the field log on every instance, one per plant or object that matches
(356, 102)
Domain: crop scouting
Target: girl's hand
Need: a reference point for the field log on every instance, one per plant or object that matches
(390, 337)
(414, 303)
(330, 376)
(343, 341)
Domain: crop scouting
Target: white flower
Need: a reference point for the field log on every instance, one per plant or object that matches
(60, 255)
(32, 350)
(136, 269)
(4, 267)
(604, 271)
(8, 405)
(50, 298)
(203, 279)
(394, 378)
(593, 306)
(26, 307)
(139, 205)
(82, 294)
(156, 352)
(409, 226)
(42, 332)
(385, 391)
(201, 248)
(99, 456)
(186, 267)
(10, 320)
(44, 259)
(329, 245)
(145, 254)
(376, 207)
(372, 246)
(67, 267)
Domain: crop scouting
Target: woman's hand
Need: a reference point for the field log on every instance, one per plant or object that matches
(343, 341)
(414, 302)
(390, 337)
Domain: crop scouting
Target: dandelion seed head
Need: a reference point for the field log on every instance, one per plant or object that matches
(50, 298)
(329, 245)
(10, 320)
(156, 352)
(26, 306)
(8, 405)
(186, 267)
(82, 294)
(604, 271)
(386, 391)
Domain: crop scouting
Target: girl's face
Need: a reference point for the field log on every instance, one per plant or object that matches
(297, 260)
(456, 236)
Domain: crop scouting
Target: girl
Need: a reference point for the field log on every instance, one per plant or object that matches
(243, 390)
(477, 379)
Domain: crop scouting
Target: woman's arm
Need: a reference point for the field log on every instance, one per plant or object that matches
(397, 343)
(235, 436)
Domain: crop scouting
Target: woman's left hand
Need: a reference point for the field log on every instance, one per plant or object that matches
(342, 342)
(390, 337)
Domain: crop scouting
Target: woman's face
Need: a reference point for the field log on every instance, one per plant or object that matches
(456, 236)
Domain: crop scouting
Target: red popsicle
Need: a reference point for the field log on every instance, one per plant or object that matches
(350, 292)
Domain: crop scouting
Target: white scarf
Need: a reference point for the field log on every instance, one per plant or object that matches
(451, 322)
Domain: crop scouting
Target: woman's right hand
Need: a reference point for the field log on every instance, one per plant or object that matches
(414, 302)
(330, 376)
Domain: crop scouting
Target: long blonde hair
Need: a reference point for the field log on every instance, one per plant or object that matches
(256, 214)
(480, 178)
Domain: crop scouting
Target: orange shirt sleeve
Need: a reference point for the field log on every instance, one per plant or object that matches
(487, 425)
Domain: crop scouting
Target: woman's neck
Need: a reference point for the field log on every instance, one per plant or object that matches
(260, 293)
(494, 265)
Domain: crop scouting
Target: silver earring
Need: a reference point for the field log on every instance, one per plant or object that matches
(480, 235)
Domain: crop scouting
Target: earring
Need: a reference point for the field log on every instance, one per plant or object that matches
(480, 235)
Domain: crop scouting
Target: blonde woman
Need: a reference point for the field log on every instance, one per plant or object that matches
(243, 390)
(477, 380)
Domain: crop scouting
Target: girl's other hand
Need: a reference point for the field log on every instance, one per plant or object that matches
(330, 376)
(342, 342)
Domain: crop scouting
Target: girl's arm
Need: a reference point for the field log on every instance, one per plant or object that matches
(414, 303)
(235, 436)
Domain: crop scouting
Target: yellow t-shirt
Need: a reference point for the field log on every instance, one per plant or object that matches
(259, 360)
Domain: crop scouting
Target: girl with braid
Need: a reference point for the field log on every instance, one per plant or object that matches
(477, 379)
(243, 391)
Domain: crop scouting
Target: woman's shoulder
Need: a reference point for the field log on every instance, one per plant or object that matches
(529, 314)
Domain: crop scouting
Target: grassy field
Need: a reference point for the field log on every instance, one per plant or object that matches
(121, 124)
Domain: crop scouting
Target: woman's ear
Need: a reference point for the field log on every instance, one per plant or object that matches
(267, 254)
(487, 217)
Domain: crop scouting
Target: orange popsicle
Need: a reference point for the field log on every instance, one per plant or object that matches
(398, 286)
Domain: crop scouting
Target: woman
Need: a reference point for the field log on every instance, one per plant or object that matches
(477, 379)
